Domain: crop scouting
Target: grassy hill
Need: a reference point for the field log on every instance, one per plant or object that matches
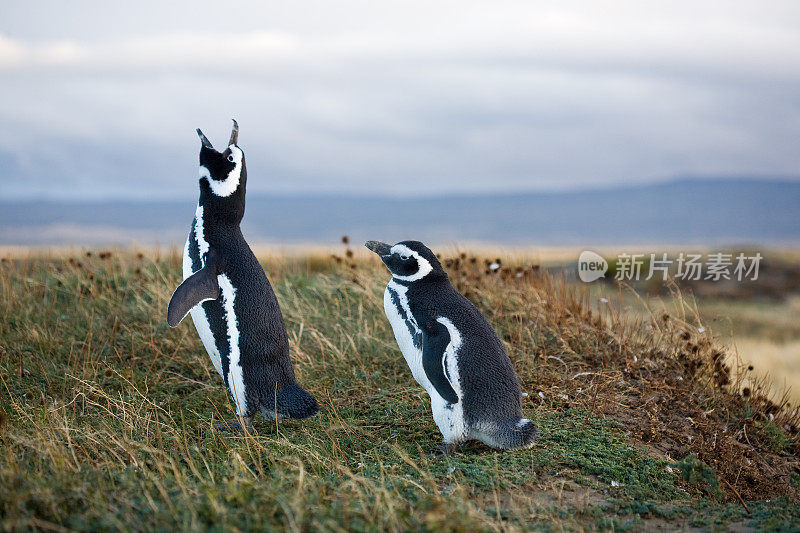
(106, 413)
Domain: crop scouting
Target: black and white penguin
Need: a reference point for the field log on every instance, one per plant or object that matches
(452, 351)
(230, 299)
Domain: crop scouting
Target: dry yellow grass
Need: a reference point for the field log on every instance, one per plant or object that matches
(105, 412)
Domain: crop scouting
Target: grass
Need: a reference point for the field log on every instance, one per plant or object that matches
(106, 412)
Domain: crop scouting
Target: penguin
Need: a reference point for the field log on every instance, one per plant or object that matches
(453, 352)
(232, 304)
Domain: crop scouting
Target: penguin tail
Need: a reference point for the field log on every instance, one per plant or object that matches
(292, 401)
(517, 433)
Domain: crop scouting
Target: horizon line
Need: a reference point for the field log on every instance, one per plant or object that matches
(609, 187)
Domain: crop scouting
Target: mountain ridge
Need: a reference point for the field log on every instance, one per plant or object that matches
(709, 211)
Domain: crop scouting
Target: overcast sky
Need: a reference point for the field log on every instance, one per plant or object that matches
(101, 99)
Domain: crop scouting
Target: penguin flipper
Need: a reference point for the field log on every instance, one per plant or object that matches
(435, 339)
(196, 289)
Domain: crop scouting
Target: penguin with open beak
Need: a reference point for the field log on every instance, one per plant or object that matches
(229, 297)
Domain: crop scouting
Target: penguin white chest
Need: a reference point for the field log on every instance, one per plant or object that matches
(234, 370)
(449, 417)
(406, 331)
(199, 317)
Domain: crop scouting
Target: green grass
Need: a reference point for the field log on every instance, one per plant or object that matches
(106, 416)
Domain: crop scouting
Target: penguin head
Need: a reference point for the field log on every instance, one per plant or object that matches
(408, 261)
(223, 175)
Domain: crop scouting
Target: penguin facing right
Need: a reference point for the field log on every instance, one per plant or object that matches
(453, 352)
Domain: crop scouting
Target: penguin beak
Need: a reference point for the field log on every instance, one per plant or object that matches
(380, 248)
(234, 133)
(204, 140)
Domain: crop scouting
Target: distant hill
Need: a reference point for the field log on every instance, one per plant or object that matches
(719, 211)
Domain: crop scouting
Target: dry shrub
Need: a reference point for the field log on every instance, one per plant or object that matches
(664, 377)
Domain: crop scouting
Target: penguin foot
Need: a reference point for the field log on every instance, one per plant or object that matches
(235, 426)
(443, 450)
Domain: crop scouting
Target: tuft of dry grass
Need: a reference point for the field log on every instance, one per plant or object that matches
(106, 412)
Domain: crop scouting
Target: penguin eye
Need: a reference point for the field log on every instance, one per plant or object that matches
(403, 257)
(230, 158)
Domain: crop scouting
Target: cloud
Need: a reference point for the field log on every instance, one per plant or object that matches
(18, 54)
(559, 41)
(405, 97)
(154, 52)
